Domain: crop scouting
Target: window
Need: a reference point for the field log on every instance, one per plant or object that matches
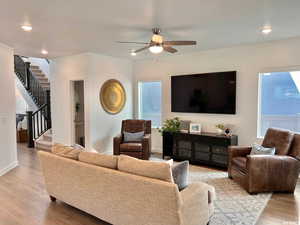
(279, 101)
(150, 102)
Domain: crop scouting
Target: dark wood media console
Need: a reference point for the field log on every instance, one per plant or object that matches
(203, 148)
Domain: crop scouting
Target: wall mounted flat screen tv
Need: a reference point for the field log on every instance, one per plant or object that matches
(204, 93)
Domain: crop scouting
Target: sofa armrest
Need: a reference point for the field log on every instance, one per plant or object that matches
(196, 209)
(117, 142)
(146, 145)
(277, 172)
(236, 151)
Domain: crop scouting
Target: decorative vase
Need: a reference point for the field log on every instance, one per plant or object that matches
(219, 131)
(227, 132)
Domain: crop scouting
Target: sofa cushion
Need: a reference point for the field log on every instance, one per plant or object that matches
(240, 163)
(78, 146)
(280, 139)
(157, 170)
(133, 137)
(295, 148)
(180, 173)
(65, 151)
(133, 126)
(127, 147)
(108, 161)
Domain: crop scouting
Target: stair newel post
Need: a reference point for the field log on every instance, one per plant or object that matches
(48, 110)
(30, 129)
(27, 67)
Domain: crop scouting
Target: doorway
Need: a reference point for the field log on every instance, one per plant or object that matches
(78, 112)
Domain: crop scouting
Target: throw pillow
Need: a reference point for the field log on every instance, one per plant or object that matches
(180, 172)
(65, 151)
(156, 170)
(133, 137)
(79, 147)
(260, 150)
(108, 161)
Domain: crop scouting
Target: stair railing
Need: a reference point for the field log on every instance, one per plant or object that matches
(30, 82)
(38, 122)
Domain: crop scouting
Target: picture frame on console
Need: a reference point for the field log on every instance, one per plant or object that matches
(185, 126)
(195, 128)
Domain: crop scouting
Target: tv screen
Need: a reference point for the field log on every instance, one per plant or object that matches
(204, 93)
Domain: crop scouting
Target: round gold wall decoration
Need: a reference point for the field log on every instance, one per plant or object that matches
(112, 96)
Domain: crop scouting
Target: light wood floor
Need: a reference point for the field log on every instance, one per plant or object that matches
(24, 201)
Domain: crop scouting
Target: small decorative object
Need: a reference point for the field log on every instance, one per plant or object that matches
(220, 128)
(170, 125)
(112, 96)
(185, 126)
(227, 132)
(195, 128)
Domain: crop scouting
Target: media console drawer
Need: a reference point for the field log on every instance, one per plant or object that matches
(203, 148)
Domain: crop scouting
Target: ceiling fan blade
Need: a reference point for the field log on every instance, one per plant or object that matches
(142, 49)
(132, 42)
(169, 49)
(180, 42)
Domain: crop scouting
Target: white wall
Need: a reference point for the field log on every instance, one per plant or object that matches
(94, 69)
(248, 61)
(24, 101)
(8, 149)
(21, 104)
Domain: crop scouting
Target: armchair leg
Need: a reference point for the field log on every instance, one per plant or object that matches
(53, 199)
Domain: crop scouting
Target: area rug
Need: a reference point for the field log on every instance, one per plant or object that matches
(233, 206)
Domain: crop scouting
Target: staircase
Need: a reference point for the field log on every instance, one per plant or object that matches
(38, 87)
(45, 141)
(40, 76)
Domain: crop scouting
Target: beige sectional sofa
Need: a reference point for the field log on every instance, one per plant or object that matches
(96, 185)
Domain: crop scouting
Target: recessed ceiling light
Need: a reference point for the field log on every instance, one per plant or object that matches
(133, 53)
(26, 27)
(44, 52)
(266, 29)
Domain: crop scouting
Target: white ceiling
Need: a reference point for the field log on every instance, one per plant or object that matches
(66, 27)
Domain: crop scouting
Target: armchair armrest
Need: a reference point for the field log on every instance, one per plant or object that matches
(117, 142)
(146, 145)
(196, 208)
(239, 151)
(272, 172)
(236, 151)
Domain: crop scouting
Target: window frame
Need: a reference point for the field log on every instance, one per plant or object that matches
(264, 71)
(139, 100)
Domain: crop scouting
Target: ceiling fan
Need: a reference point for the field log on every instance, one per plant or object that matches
(157, 43)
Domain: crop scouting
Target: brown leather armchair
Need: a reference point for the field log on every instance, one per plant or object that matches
(268, 173)
(140, 150)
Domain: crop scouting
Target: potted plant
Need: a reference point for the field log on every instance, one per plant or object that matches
(170, 126)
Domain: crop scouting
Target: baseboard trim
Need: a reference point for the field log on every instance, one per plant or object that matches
(9, 167)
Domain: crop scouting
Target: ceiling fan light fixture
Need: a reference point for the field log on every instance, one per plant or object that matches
(156, 38)
(133, 53)
(156, 49)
